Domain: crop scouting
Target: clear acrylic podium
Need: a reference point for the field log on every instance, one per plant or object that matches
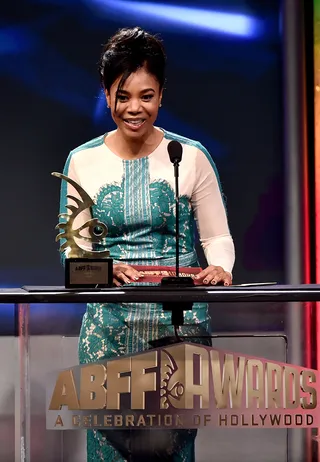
(271, 322)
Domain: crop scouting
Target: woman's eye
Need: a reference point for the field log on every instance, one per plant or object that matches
(122, 98)
(147, 97)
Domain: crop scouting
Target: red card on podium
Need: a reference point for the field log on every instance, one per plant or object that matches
(154, 274)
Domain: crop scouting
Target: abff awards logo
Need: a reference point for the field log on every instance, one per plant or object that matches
(183, 386)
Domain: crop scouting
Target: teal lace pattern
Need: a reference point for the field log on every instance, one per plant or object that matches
(140, 216)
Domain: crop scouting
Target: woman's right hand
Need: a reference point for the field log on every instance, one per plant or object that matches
(125, 274)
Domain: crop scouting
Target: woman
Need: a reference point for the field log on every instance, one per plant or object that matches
(129, 174)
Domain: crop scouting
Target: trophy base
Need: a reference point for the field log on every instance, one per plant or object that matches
(88, 273)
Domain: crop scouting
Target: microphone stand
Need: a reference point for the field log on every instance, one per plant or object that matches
(175, 282)
(176, 184)
(177, 318)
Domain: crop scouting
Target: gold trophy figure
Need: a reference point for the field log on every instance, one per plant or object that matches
(84, 267)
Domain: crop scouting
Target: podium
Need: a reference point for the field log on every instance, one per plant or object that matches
(276, 319)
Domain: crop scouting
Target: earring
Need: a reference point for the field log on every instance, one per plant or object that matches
(160, 105)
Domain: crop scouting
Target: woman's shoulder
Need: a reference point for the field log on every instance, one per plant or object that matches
(84, 153)
(193, 149)
(191, 145)
(94, 143)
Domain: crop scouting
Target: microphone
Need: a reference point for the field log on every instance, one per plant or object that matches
(175, 151)
(175, 155)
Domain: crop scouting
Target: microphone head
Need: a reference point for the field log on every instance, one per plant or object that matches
(175, 151)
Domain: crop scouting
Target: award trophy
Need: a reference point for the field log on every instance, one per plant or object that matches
(84, 268)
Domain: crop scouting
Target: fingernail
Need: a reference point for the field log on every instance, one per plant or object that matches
(205, 281)
(226, 283)
(196, 277)
(213, 282)
(135, 278)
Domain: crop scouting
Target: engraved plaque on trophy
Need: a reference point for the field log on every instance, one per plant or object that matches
(85, 268)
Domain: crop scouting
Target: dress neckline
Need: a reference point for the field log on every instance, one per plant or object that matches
(143, 158)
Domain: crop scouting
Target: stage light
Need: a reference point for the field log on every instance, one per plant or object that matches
(203, 19)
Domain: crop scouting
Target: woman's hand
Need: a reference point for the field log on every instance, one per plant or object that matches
(125, 274)
(214, 275)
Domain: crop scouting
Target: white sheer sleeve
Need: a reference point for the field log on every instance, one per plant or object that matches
(210, 215)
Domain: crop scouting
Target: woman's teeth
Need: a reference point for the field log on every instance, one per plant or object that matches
(135, 122)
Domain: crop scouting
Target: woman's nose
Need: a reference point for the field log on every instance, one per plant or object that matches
(134, 105)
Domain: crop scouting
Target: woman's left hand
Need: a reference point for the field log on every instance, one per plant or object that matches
(214, 275)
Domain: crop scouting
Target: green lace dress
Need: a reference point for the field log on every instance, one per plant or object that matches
(135, 198)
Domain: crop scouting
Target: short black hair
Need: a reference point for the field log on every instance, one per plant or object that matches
(129, 50)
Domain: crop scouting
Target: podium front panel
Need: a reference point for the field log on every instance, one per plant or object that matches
(262, 330)
(50, 353)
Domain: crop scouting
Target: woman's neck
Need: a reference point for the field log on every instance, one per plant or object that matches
(128, 148)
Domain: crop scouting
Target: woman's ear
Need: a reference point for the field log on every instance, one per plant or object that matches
(108, 98)
(160, 99)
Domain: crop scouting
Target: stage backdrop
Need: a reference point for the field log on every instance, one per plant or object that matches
(223, 89)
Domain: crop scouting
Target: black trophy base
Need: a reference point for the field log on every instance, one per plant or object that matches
(88, 273)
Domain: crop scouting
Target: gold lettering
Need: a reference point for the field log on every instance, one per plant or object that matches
(202, 389)
(141, 421)
(92, 390)
(76, 420)
(244, 423)
(141, 381)
(263, 418)
(168, 420)
(181, 359)
(292, 387)
(87, 421)
(118, 420)
(223, 420)
(59, 421)
(96, 421)
(129, 420)
(274, 386)
(227, 384)
(64, 393)
(196, 420)
(107, 422)
(234, 420)
(254, 423)
(255, 383)
(207, 418)
(287, 419)
(179, 421)
(275, 419)
(116, 383)
(151, 417)
(309, 402)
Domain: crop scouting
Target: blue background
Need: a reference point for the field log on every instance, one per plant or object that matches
(223, 89)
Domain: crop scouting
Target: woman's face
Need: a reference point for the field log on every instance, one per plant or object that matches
(138, 104)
